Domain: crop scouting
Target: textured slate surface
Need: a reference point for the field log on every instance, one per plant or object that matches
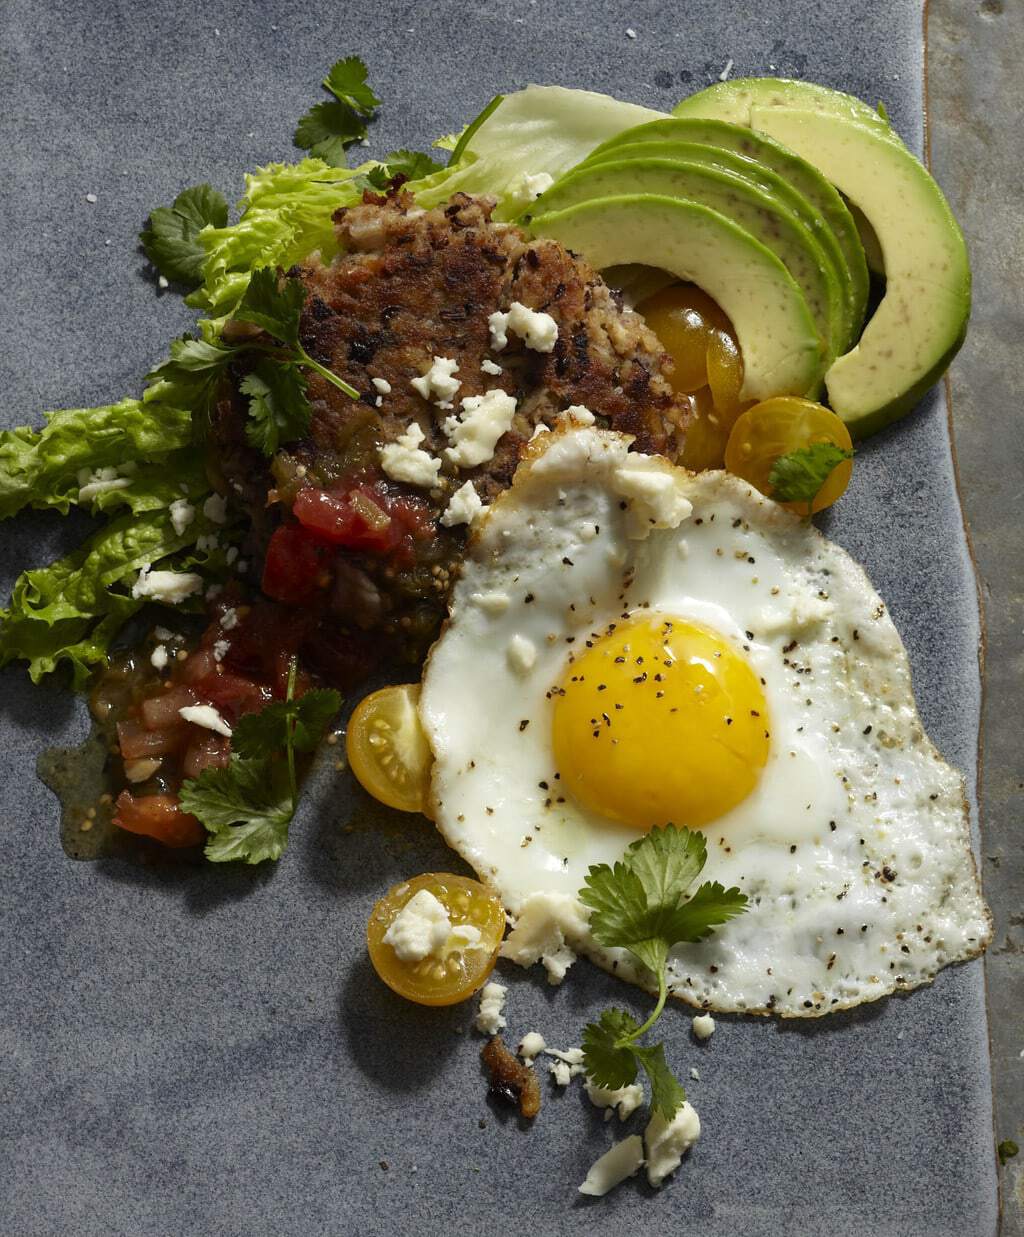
(211, 1054)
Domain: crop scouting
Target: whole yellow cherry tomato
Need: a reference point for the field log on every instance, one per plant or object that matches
(774, 428)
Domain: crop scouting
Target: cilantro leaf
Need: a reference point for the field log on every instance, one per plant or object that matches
(330, 127)
(327, 130)
(274, 305)
(278, 408)
(248, 806)
(642, 904)
(171, 239)
(799, 475)
(608, 1050)
(347, 82)
(412, 164)
(306, 719)
(667, 1094)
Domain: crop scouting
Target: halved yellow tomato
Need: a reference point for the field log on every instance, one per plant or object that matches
(387, 749)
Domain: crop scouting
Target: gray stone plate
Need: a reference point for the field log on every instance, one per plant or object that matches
(210, 1052)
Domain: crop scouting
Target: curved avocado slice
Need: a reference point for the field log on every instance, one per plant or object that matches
(732, 100)
(806, 179)
(921, 320)
(774, 327)
(765, 219)
(830, 255)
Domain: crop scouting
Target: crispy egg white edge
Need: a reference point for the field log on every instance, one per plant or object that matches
(867, 604)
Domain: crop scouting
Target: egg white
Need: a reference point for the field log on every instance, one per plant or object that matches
(854, 848)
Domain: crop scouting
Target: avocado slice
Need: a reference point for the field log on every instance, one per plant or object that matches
(732, 101)
(732, 196)
(774, 328)
(921, 320)
(804, 178)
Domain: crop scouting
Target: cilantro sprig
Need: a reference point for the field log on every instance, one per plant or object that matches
(279, 410)
(171, 241)
(798, 476)
(329, 128)
(248, 806)
(643, 905)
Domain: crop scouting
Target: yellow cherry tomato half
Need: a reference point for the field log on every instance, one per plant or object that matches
(454, 970)
(684, 319)
(706, 435)
(387, 749)
(775, 427)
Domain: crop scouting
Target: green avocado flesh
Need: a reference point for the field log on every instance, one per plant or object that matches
(839, 231)
(921, 320)
(767, 221)
(733, 99)
(774, 328)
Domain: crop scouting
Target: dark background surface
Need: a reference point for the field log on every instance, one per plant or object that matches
(211, 1054)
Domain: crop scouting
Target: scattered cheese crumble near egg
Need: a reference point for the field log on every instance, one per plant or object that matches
(622, 1160)
(546, 928)
(531, 1045)
(703, 1026)
(566, 1065)
(168, 586)
(463, 507)
(624, 1100)
(404, 460)
(420, 929)
(668, 1141)
(490, 1018)
(474, 433)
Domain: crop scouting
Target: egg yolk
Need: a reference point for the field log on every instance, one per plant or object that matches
(660, 720)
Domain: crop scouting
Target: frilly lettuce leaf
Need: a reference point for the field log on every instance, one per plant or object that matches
(285, 215)
(39, 468)
(71, 610)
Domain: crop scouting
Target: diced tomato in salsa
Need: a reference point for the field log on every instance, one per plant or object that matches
(294, 565)
(364, 518)
(160, 817)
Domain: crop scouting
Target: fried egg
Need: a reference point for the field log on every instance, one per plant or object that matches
(630, 645)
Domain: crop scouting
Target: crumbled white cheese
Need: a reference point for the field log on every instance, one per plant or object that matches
(463, 507)
(420, 929)
(668, 1141)
(566, 1066)
(527, 188)
(623, 1160)
(654, 493)
(162, 281)
(379, 402)
(231, 555)
(205, 715)
(491, 603)
(703, 1026)
(547, 926)
(206, 542)
(403, 460)
(158, 659)
(438, 382)
(229, 619)
(491, 367)
(537, 330)
(382, 385)
(170, 586)
(463, 937)
(216, 509)
(163, 633)
(220, 649)
(475, 433)
(521, 654)
(91, 483)
(724, 75)
(577, 414)
(694, 1074)
(538, 429)
(625, 1100)
(630, 32)
(91, 198)
(531, 1045)
(489, 1018)
(182, 514)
